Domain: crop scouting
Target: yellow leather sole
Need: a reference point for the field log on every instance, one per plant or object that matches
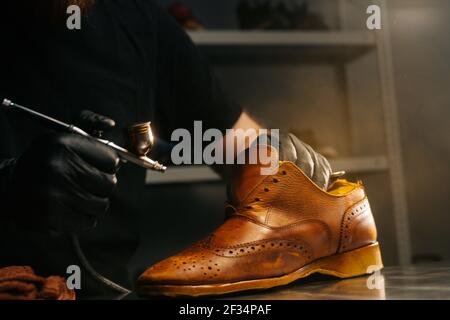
(349, 264)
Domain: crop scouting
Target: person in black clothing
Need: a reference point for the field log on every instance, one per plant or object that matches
(130, 62)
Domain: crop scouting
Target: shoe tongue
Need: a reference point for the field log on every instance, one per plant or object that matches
(245, 177)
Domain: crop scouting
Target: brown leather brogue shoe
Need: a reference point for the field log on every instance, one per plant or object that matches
(283, 228)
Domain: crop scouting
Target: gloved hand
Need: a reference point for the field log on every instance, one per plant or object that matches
(289, 148)
(313, 164)
(63, 182)
(95, 123)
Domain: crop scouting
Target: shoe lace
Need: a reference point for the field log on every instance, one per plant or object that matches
(231, 209)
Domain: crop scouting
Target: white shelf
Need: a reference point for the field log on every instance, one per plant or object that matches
(283, 38)
(360, 164)
(195, 174)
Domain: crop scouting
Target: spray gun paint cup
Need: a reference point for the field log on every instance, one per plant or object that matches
(140, 138)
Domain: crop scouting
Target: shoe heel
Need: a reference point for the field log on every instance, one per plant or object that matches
(365, 260)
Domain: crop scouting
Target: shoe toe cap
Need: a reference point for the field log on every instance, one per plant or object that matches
(190, 268)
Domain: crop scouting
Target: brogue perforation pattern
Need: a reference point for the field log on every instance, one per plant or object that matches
(197, 263)
(348, 219)
(209, 268)
(264, 246)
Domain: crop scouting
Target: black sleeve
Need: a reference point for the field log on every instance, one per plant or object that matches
(187, 87)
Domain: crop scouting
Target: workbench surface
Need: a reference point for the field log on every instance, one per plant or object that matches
(415, 282)
(422, 282)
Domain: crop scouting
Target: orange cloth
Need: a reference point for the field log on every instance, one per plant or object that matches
(21, 283)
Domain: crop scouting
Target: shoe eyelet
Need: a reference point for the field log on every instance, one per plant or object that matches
(284, 173)
(266, 189)
(275, 180)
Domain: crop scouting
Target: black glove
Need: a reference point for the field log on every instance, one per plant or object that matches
(63, 182)
(95, 123)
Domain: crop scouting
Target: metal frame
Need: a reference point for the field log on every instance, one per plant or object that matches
(391, 123)
(390, 107)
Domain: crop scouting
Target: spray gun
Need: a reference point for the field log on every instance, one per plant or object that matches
(140, 141)
(140, 138)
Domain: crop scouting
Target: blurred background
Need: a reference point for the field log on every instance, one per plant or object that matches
(377, 103)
